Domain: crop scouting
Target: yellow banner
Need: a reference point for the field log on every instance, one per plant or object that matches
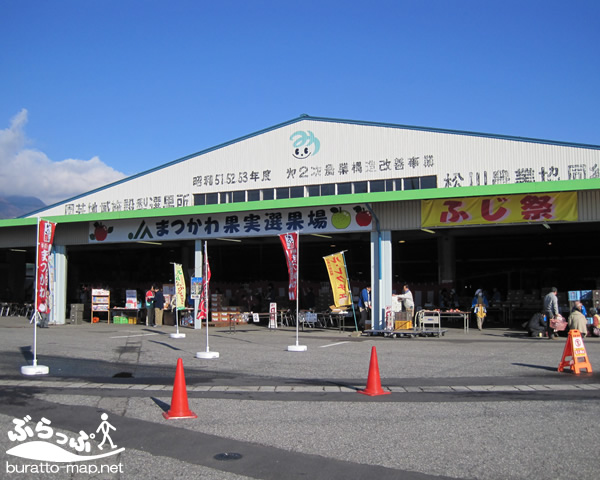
(527, 208)
(179, 287)
(339, 279)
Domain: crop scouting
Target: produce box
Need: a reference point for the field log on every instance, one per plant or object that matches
(403, 325)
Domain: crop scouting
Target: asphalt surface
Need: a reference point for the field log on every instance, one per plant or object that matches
(480, 405)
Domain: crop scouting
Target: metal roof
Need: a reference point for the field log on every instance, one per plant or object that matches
(304, 117)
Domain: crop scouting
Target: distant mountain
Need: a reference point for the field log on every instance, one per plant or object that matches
(14, 205)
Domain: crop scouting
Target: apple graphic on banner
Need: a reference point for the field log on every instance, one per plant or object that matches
(100, 232)
(363, 217)
(340, 218)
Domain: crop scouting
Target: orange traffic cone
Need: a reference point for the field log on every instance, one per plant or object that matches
(179, 400)
(374, 382)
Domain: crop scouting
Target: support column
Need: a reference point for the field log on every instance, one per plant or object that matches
(381, 276)
(447, 260)
(198, 259)
(58, 313)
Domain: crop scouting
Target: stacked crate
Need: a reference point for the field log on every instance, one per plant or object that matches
(402, 321)
(218, 313)
(76, 316)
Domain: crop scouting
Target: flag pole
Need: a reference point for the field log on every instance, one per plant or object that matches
(297, 287)
(207, 353)
(35, 305)
(35, 369)
(297, 347)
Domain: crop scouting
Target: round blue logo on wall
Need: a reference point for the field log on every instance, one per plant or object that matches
(305, 144)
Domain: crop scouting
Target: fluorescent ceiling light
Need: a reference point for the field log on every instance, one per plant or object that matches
(17, 250)
(427, 230)
(149, 243)
(546, 226)
(229, 240)
(319, 235)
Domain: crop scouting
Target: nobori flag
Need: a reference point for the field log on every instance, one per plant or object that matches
(290, 248)
(179, 287)
(44, 247)
(338, 276)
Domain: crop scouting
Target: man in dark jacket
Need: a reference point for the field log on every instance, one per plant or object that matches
(537, 325)
(159, 305)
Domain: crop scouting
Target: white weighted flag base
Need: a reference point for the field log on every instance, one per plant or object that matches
(297, 348)
(177, 335)
(35, 370)
(207, 355)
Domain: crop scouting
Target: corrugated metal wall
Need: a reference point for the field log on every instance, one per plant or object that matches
(13, 237)
(66, 234)
(72, 234)
(399, 215)
(589, 205)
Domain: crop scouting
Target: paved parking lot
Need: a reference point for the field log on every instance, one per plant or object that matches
(488, 405)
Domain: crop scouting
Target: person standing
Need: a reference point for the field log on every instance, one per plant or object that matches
(159, 306)
(150, 307)
(480, 305)
(407, 302)
(595, 328)
(551, 310)
(364, 305)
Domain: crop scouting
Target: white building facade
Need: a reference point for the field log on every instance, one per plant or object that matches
(330, 177)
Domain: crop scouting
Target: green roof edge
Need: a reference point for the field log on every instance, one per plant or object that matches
(373, 198)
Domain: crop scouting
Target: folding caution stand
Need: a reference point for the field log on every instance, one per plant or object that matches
(574, 356)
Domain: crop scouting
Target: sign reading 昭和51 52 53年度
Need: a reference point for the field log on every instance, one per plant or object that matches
(500, 209)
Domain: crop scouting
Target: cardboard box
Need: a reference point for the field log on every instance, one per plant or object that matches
(403, 325)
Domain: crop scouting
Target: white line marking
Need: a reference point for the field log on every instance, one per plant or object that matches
(140, 335)
(333, 344)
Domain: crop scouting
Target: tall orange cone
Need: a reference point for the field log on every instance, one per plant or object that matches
(374, 382)
(179, 400)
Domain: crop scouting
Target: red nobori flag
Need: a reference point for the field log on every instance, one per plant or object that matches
(290, 248)
(203, 309)
(44, 247)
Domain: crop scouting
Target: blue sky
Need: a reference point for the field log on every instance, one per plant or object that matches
(92, 91)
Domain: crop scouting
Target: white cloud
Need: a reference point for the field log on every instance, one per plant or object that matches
(28, 172)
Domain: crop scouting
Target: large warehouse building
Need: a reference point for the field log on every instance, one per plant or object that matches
(438, 209)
